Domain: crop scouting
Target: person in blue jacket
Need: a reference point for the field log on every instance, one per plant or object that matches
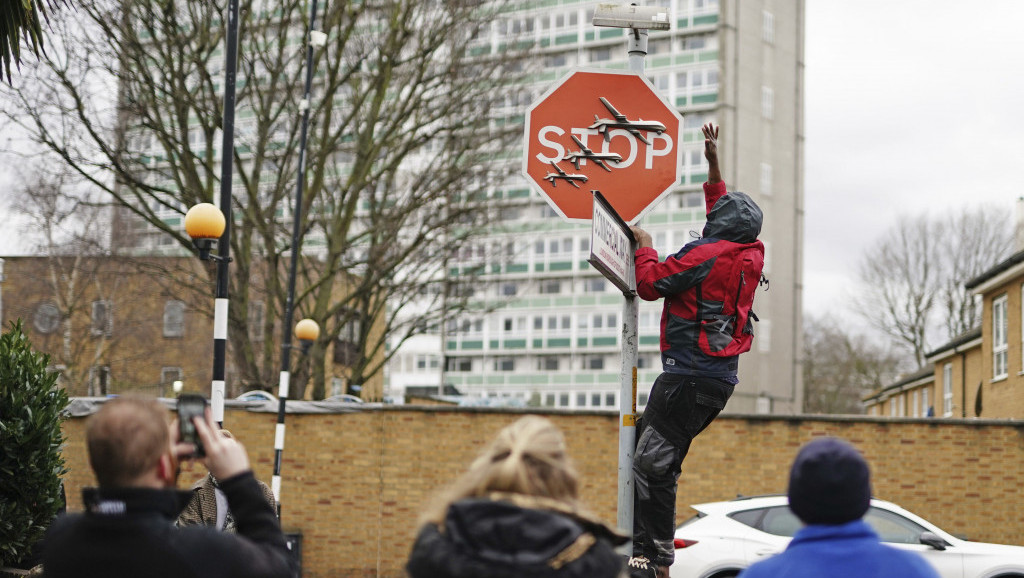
(830, 490)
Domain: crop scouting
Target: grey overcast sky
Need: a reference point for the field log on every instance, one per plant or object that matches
(911, 106)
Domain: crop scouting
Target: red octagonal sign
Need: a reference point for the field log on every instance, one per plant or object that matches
(607, 131)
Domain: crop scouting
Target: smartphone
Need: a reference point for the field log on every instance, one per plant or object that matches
(191, 405)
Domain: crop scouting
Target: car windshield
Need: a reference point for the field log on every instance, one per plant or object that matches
(780, 521)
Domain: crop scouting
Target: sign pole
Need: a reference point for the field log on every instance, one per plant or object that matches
(630, 342)
(612, 246)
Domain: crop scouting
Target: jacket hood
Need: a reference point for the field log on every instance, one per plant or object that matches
(503, 533)
(735, 217)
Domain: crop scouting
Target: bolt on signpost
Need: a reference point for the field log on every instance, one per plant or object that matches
(609, 131)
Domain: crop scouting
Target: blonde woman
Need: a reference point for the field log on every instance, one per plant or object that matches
(516, 512)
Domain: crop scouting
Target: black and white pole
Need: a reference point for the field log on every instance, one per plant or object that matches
(220, 310)
(306, 330)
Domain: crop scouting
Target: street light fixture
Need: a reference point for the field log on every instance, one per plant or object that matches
(306, 331)
(205, 224)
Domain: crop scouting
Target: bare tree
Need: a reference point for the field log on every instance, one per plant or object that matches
(840, 367)
(405, 144)
(65, 227)
(913, 277)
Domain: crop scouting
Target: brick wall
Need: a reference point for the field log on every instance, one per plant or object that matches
(354, 483)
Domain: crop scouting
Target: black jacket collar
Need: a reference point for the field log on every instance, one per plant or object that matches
(133, 501)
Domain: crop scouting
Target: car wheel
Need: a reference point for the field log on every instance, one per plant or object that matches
(726, 574)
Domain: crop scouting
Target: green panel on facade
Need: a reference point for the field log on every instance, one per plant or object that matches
(479, 50)
(515, 344)
(478, 344)
(685, 58)
(495, 269)
(607, 378)
(583, 265)
(662, 61)
(560, 266)
(545, 42)
(538, 343)
(706, 19)
(172, 222)
(520, 380)
(601, 341)
(452, 345)
(705, 98)
(589, 36)
(518, 193)
(517, 268)
(539, 267)
(680, 101)
(560, 342)
(561, 378)
(588, 300)
(611, 33)
(495, 380)
(584, 378)
(708, 56)
(698, 178)
(567, 39)
(494, 344)
(474, 380)
(581, 342)
(563, 302)
(614, 299)
(657, 219)
(649, 340)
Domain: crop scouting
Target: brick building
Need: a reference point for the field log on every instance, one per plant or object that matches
(978, 374)
(114, 324)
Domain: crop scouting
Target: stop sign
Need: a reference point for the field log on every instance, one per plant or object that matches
(607, 131)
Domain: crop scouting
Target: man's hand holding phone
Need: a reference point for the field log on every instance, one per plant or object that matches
(225, 457)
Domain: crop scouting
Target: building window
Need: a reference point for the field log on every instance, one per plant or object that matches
(766, 179)
(168, 375)
(550, 287)
(102, 318)
(947, 390)
(256, 319)
(768, 27)
(999, 337)
(593, 362)
(767, 103)
(506, 364)
(595, 400)
(581, 400)
(46, 319)
(563, 400)
(926, 402)
(594, 285)
(99, 381)
(174, 319)
(609, 399)
(547, 363)
(460, 364)
(916, 403)
(509, 289)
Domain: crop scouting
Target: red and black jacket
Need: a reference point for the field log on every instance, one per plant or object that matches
(708, 287)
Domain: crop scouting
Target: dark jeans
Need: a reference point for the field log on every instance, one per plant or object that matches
(680, 407)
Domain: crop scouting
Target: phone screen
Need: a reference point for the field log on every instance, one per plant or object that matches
(191, 405)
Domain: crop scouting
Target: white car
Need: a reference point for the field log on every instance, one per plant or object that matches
(726, 537)
(257, 395)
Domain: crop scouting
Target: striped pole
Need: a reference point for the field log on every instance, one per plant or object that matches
(314, 38)
(220, 317)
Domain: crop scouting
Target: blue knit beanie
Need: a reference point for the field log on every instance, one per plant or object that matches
(830, 483)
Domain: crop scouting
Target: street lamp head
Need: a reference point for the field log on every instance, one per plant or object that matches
(205, 223)
(307, 331)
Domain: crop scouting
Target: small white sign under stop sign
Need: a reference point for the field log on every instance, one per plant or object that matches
(611, 246)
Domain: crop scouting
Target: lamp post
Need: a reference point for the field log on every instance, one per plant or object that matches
(306, 331)
(205, 223)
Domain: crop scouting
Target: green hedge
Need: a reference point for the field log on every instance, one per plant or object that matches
(31, 464)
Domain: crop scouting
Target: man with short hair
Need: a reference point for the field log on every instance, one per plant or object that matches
(128, 527)
(830, 491)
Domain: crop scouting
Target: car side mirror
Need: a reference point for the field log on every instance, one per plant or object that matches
(930, 539)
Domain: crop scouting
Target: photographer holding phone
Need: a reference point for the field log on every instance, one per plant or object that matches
(128, 527)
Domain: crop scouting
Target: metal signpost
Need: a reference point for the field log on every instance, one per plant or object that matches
(609, 131)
